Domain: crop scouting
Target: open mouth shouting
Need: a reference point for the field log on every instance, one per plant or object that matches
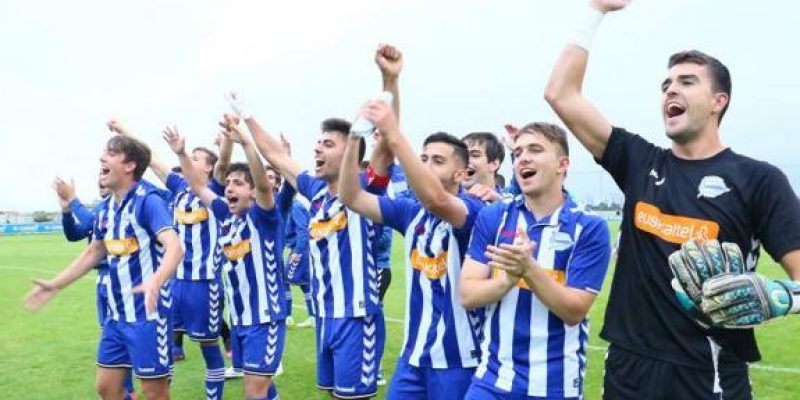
(471, 172)
(674, 109)
(526, 173)
(318, 164)
(233, 201)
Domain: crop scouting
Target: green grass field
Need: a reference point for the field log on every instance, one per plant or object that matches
(50, 355)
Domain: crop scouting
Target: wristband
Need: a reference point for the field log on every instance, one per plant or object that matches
(586, 27)
(238, 105)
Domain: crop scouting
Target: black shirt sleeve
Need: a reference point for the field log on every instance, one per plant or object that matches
(776, 213)
(626, 154)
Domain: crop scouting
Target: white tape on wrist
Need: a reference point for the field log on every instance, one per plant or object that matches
(238, 106)
(585, 28)
(363, 127)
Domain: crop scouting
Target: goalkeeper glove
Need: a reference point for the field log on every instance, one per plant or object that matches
(694, 264)
(747, 300)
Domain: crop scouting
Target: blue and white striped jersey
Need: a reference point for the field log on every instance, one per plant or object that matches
(198, 229)
(527, 349)
(439, 332)
(252, 245)
(129, 231)
(344, 275)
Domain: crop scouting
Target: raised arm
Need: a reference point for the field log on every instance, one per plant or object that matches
(350, 191)
(428, 188)
(225, 150)
(564, 90)
(72, 210)
(269, 146)
(195, 179)
(390, 62)
(265, 197)
(159, 167)
(44, 290)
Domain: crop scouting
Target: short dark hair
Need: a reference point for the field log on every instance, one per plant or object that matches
(133, 150)
(342, 127)
(459, 148)
(553, 133)
(243, 168)
(494, 149)
(278, 177)
(210, 155)
(177, 169)
(719, 72)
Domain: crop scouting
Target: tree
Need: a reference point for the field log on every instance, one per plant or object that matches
(42, 216)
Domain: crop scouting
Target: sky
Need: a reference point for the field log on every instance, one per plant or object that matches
(67, 67)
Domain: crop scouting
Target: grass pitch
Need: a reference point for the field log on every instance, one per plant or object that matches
(50, 354)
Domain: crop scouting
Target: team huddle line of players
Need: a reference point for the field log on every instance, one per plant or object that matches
(499, 280)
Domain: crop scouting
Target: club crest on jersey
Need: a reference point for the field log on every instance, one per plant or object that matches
(191, 217)
(654, 175)
(712, 186)
(236, 252)
(321, 229)
(121, 247)
(432, 267)
(561, 241)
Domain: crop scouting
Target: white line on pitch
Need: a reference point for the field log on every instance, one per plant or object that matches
(31, 269)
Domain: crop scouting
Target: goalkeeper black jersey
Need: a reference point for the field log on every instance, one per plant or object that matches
(668, 201)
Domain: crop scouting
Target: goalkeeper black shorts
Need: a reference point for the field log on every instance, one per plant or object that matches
(630, 376)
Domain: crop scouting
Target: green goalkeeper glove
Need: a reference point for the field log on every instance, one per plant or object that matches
(748, 300)
(694, 264)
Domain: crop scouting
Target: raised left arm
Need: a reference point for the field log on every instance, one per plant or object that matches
(390, 62)
(265, 197)
(428, 188)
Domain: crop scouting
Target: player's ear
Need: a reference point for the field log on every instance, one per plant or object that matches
(129, 167)
(460, 175)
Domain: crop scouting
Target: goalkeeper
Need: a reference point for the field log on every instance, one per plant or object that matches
(698, 188)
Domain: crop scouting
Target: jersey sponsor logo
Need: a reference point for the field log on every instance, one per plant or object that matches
(712, 186)
(673, 228)
(236, 252)
(432, 267)
(121, 247)
(561, 241)
(557, 275)
(321, 229)
(191, 217)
